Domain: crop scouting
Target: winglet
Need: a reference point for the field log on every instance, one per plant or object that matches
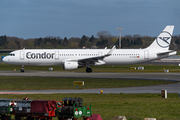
(110, 52)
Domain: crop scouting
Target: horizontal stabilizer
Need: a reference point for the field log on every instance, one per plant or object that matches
(169, 51)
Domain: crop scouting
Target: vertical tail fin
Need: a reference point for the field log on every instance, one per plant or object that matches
(163, 40)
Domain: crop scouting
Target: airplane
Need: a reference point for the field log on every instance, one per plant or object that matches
(72, 59)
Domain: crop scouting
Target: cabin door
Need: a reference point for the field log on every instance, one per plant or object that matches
(146, 54)
(56, 55)
(21, 55)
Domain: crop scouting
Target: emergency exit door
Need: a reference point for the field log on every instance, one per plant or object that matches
(99, 53)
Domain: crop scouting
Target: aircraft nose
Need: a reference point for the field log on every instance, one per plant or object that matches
(2, 57)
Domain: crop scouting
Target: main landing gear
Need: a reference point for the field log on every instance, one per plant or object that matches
(22, 69)
(88, 70)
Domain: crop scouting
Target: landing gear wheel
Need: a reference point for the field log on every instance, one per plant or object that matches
(88, 70)
(22, 69)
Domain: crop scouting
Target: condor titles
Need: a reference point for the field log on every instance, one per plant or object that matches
(30, 55)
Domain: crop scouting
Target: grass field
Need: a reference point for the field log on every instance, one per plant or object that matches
(104, 68)
(133, 106)
(4, 54)
(51, 83)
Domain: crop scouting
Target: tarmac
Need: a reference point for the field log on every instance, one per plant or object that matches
(139, 76)
(171, 88)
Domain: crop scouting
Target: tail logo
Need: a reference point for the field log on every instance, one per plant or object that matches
(163, 40)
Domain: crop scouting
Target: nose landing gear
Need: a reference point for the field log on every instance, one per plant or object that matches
(22, 69)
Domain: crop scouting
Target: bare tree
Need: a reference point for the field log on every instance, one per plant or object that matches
(104, 35)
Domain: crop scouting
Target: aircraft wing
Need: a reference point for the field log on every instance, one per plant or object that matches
(93, 60)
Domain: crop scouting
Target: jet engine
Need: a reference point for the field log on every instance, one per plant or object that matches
(70, 65)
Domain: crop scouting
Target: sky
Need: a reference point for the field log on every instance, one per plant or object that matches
(75, 18)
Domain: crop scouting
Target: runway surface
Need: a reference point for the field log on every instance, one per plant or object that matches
(140, 76)
(145, 76)
(171, 88)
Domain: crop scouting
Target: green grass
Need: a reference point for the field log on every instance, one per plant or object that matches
(104, 68)
(4, 54)
(133, 106)
(178, 53)
(50, 83)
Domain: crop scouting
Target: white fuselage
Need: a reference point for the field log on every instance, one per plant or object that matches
(74, 58)
(45, 57)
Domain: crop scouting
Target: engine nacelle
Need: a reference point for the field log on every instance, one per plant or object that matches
(70, 65)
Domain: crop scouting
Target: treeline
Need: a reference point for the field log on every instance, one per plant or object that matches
(103, 39)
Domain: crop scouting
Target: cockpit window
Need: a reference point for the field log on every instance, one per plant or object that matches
(11, 54)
